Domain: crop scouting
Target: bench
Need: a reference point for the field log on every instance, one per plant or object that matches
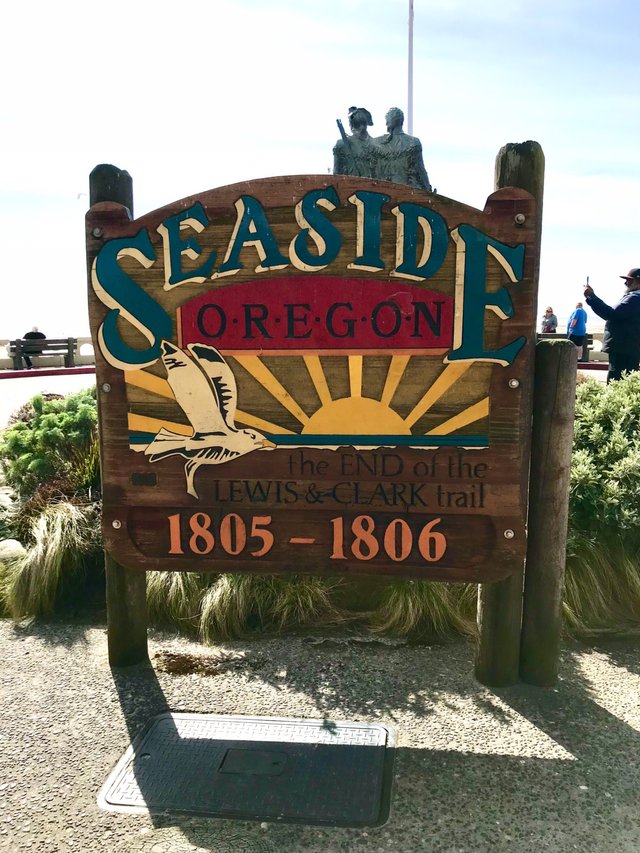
(586, 346)
(43, 347)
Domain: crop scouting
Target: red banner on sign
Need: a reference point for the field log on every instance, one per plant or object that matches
(319, 314)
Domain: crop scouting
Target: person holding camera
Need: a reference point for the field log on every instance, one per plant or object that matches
(622, 327)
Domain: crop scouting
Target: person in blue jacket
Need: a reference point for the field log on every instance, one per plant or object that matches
(577, 326)
(622, 328)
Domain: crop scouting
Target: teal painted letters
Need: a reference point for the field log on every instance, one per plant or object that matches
(113, 286)
(472, 298)
(368, 229)
(409, 220)
(175, 247)
(252, 229)
(325, 232)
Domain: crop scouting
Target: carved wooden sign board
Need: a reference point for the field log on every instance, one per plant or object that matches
(316, 374)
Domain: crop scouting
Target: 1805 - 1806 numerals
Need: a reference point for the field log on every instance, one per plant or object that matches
(361, 538)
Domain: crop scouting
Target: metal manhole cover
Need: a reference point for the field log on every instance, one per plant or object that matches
(256, 768)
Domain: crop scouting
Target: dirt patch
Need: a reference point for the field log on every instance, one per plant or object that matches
(180, 663)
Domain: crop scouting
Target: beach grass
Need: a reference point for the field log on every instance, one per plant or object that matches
(52, 567)
(57, 520)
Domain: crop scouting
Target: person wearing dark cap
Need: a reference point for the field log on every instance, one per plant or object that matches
(622, 328)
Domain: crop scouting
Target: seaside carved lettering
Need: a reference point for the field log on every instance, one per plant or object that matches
(422, 242)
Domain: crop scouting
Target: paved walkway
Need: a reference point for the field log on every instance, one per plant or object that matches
(515, 770)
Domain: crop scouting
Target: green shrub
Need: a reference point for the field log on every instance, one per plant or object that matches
(602, 584)
(49, 456)
(605, 470)
(58, 442)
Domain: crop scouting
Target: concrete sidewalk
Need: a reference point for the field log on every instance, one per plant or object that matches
(513, 770)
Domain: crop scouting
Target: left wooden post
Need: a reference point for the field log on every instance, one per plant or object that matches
(126, 589)
(126, 614)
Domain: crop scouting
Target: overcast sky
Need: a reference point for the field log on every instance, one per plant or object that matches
(191, 96)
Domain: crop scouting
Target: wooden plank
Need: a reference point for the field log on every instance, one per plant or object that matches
(554, 411)
(125, 589)
(126, 615)
(500, 604)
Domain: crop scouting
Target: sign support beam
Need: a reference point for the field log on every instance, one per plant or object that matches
(553, 418)
(126, 614)
(126, 589)
(500, 603)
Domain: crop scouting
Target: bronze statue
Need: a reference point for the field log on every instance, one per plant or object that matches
(400, 157)
(356, 154)
(396, 156)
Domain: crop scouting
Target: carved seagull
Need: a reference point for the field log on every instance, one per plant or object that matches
(205, 389)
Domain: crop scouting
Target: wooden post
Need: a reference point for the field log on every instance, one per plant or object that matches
(553, 416)
(499, 625)
(126, 614)
(521, 164)
(108, 183)
(126, 589)
(500, 603)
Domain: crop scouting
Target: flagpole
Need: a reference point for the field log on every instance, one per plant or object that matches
(410, 74)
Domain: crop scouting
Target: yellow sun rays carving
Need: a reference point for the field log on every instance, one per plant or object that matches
(468, 416)
(447, 378)
(367, 415)
(265, 377)
(159, 386)
(355, 375)
(143, 423)
(318, 378)
(149, 382)
(261, 424)
(394, 375)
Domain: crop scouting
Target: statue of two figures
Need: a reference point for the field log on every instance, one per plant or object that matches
(395, 156)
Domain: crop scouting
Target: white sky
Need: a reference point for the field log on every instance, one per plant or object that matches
(190, 96)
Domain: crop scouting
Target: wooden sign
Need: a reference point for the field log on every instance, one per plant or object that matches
(316, 374)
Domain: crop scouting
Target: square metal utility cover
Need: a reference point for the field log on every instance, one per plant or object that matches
(256, 768)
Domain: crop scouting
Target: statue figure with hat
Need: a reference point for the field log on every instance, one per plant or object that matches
(355, 154)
